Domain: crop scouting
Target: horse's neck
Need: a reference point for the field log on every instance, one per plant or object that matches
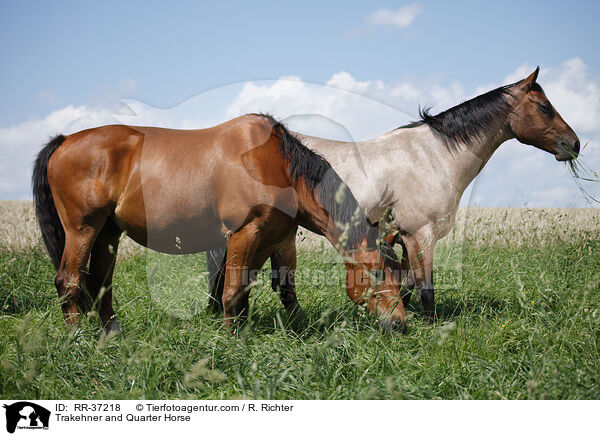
(346, 232)
(313, 216)
(466, 161)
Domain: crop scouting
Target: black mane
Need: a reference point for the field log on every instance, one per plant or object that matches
(464, 124)
(319, 177)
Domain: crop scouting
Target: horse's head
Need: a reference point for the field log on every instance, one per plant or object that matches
(370, 280)
(534, 121)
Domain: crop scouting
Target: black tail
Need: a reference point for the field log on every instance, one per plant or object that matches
(45, 210)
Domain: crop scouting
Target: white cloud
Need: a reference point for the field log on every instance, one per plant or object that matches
(519, 73)
(351, 116)
(344, 80)
(519, 174)
(574, 92)
(402, 17)
(446, 97)
(405, 91)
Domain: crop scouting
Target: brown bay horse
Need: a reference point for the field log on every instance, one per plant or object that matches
(248, 183)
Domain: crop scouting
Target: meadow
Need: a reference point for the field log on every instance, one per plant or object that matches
(518, 300)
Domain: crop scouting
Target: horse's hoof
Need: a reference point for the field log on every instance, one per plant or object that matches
(112, 328)
(214, 307)
(298, 319)
(429, 317)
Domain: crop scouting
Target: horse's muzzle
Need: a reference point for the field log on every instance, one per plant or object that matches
(566, 151)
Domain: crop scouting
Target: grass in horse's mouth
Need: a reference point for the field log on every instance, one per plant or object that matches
(580, 171)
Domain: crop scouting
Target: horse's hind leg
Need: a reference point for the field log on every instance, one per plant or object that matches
(283, 269)
(216, 262)
(72, 269)
(99, 280)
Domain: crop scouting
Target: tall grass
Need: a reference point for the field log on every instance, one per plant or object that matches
(524, 323)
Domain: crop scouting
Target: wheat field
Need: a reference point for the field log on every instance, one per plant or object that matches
(19, 230)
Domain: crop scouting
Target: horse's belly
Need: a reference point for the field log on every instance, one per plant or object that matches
(186, 237)
(171, 224)
(181, 237)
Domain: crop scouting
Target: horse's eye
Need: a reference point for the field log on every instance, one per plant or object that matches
(546, 107)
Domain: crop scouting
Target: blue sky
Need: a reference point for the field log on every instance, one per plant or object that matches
(83, 54)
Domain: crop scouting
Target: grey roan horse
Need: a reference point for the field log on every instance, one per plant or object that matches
(421, 170)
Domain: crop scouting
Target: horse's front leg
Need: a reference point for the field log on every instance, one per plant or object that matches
(420, 257)
(401, 270)
(407, 280)
(245, 257)
(283, 270)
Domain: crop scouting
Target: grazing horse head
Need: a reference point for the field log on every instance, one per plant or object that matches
(372, 279)
(536, 122)
(329, 208)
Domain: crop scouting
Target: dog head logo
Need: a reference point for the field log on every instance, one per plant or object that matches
(26, 415)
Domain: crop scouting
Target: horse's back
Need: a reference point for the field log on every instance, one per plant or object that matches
(402, 170)
(167, 185)
(208, 181)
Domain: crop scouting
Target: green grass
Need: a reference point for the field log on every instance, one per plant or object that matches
(524, 323)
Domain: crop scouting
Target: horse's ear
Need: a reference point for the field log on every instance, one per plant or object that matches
(528, 82)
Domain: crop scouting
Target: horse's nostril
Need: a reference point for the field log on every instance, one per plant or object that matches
(576, 146)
